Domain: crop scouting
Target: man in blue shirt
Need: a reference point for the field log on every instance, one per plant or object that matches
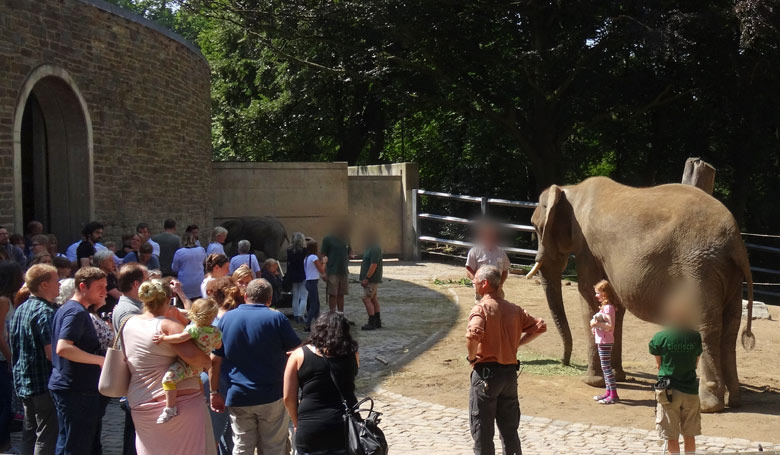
(30, 337)
(76, 367)
(255, 343)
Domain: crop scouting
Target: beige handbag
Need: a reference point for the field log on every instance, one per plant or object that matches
(115, 375)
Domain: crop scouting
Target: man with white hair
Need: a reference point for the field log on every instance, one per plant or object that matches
(245, 256)
(216, 241)
(496, 328)
(255, 342)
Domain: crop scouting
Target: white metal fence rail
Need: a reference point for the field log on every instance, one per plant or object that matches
(485, 202)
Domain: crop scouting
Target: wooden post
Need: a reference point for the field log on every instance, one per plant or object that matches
(700, 174)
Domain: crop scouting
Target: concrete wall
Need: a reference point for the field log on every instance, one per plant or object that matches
(306, 197)
(147, 101)
(376, 202)
(409, 174)
(312, 197)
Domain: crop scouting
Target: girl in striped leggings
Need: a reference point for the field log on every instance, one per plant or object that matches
(602, 325)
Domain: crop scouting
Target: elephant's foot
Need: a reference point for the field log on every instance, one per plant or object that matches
(593, 380)
(734, 399)
(711, 401)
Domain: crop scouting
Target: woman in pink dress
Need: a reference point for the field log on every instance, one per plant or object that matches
(190, 433)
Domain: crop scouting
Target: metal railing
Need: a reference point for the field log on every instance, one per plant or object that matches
(485, 202)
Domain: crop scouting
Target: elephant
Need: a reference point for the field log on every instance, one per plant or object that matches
(266, 234)
(641, 240)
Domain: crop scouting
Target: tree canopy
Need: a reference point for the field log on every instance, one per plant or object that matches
(500, 98)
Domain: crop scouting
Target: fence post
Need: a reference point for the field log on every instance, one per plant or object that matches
(484, 206)
(415, 227)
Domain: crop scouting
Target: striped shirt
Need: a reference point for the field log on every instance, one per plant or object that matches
(30, 332)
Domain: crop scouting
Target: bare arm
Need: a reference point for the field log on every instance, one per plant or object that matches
(608, 325)
(115, 293)
(658, 361)
(173, 339)
(470, 272)
(187, 351)
(47, 351)
(291, 385)
(369, 273)
(537, 329)
(474, 334)
(217, 401)
(320, 266)
(68, 350)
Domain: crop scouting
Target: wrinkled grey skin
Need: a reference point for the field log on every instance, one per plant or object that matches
(643, 240)
(266, 234)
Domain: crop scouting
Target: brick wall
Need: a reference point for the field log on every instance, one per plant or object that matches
(148, 99)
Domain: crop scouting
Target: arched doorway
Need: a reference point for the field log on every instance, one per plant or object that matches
(53, 155)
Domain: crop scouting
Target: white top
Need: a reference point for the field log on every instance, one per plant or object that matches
(479, 256)
(215, 248)
(241, 259)
(203, 286)
(312, 273)
(155, 247)
(188, 265)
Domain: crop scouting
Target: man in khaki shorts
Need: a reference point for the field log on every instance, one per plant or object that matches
(677, 350)
(370, 277)
(335, 251)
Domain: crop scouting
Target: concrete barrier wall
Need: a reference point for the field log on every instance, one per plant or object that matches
(305, 197)
(312, 197)
(375, 201)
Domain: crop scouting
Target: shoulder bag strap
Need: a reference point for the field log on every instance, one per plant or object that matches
(119, 333)
(335, 383)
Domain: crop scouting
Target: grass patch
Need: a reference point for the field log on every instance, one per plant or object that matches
(461, 282)
(547, 366)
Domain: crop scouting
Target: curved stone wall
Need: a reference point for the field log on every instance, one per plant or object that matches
(147, 99)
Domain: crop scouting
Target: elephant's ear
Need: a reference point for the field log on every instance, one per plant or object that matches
(554, 196)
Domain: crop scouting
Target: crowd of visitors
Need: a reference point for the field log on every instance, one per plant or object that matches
(180, 311)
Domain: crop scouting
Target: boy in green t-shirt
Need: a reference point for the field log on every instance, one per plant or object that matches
(677, 352)
(370, 277)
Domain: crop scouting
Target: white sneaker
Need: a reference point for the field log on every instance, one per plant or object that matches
(168, 414)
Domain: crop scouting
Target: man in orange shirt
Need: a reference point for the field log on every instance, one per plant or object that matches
(496, 329)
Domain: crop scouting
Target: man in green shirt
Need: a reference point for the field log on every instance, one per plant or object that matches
(677, 352)
(335, 252)
(370, 277)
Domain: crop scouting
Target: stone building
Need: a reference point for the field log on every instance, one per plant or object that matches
(103, 115)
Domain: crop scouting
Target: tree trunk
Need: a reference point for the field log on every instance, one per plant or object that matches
(700, 174)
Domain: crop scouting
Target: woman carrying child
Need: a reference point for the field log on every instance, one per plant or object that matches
(603, 326)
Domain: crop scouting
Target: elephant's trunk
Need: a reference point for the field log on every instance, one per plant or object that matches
(550, 278)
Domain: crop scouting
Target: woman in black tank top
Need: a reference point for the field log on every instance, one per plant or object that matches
(318, 418)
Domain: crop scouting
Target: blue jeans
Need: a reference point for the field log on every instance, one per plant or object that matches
(6, 411)
(79, 415)
(313, 300)
(220, 423)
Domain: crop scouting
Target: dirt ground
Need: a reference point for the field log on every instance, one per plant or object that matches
(440, 374)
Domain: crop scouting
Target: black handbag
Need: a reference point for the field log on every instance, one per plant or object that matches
(363, 436)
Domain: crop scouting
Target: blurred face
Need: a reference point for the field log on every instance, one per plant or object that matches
(243, 283)
(50, 289)
(95, 293)
(45, 259)
(36, 229)
(144, 259)
(108, 265)
(221, 238)
(224, 269)
(135, 242)
(3, 236)
(488, 237)
(97, 235)
(599, 296)
(144, 233)
(480, 286)
(63, 272)
(38, 247)
(195, 232)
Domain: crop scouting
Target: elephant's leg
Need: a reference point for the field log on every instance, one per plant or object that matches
(732, 317)
(594, 376)
(711, 385)
(617, 349)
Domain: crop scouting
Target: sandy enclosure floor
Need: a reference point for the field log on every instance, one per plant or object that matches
(440, 373)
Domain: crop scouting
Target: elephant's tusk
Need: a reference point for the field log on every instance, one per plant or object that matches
(533, 270)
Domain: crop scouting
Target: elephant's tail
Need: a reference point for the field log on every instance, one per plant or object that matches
(748, 339)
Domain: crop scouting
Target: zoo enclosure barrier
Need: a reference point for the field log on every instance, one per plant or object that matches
(485, 202)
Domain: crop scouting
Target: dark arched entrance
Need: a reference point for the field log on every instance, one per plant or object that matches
(54, 178)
